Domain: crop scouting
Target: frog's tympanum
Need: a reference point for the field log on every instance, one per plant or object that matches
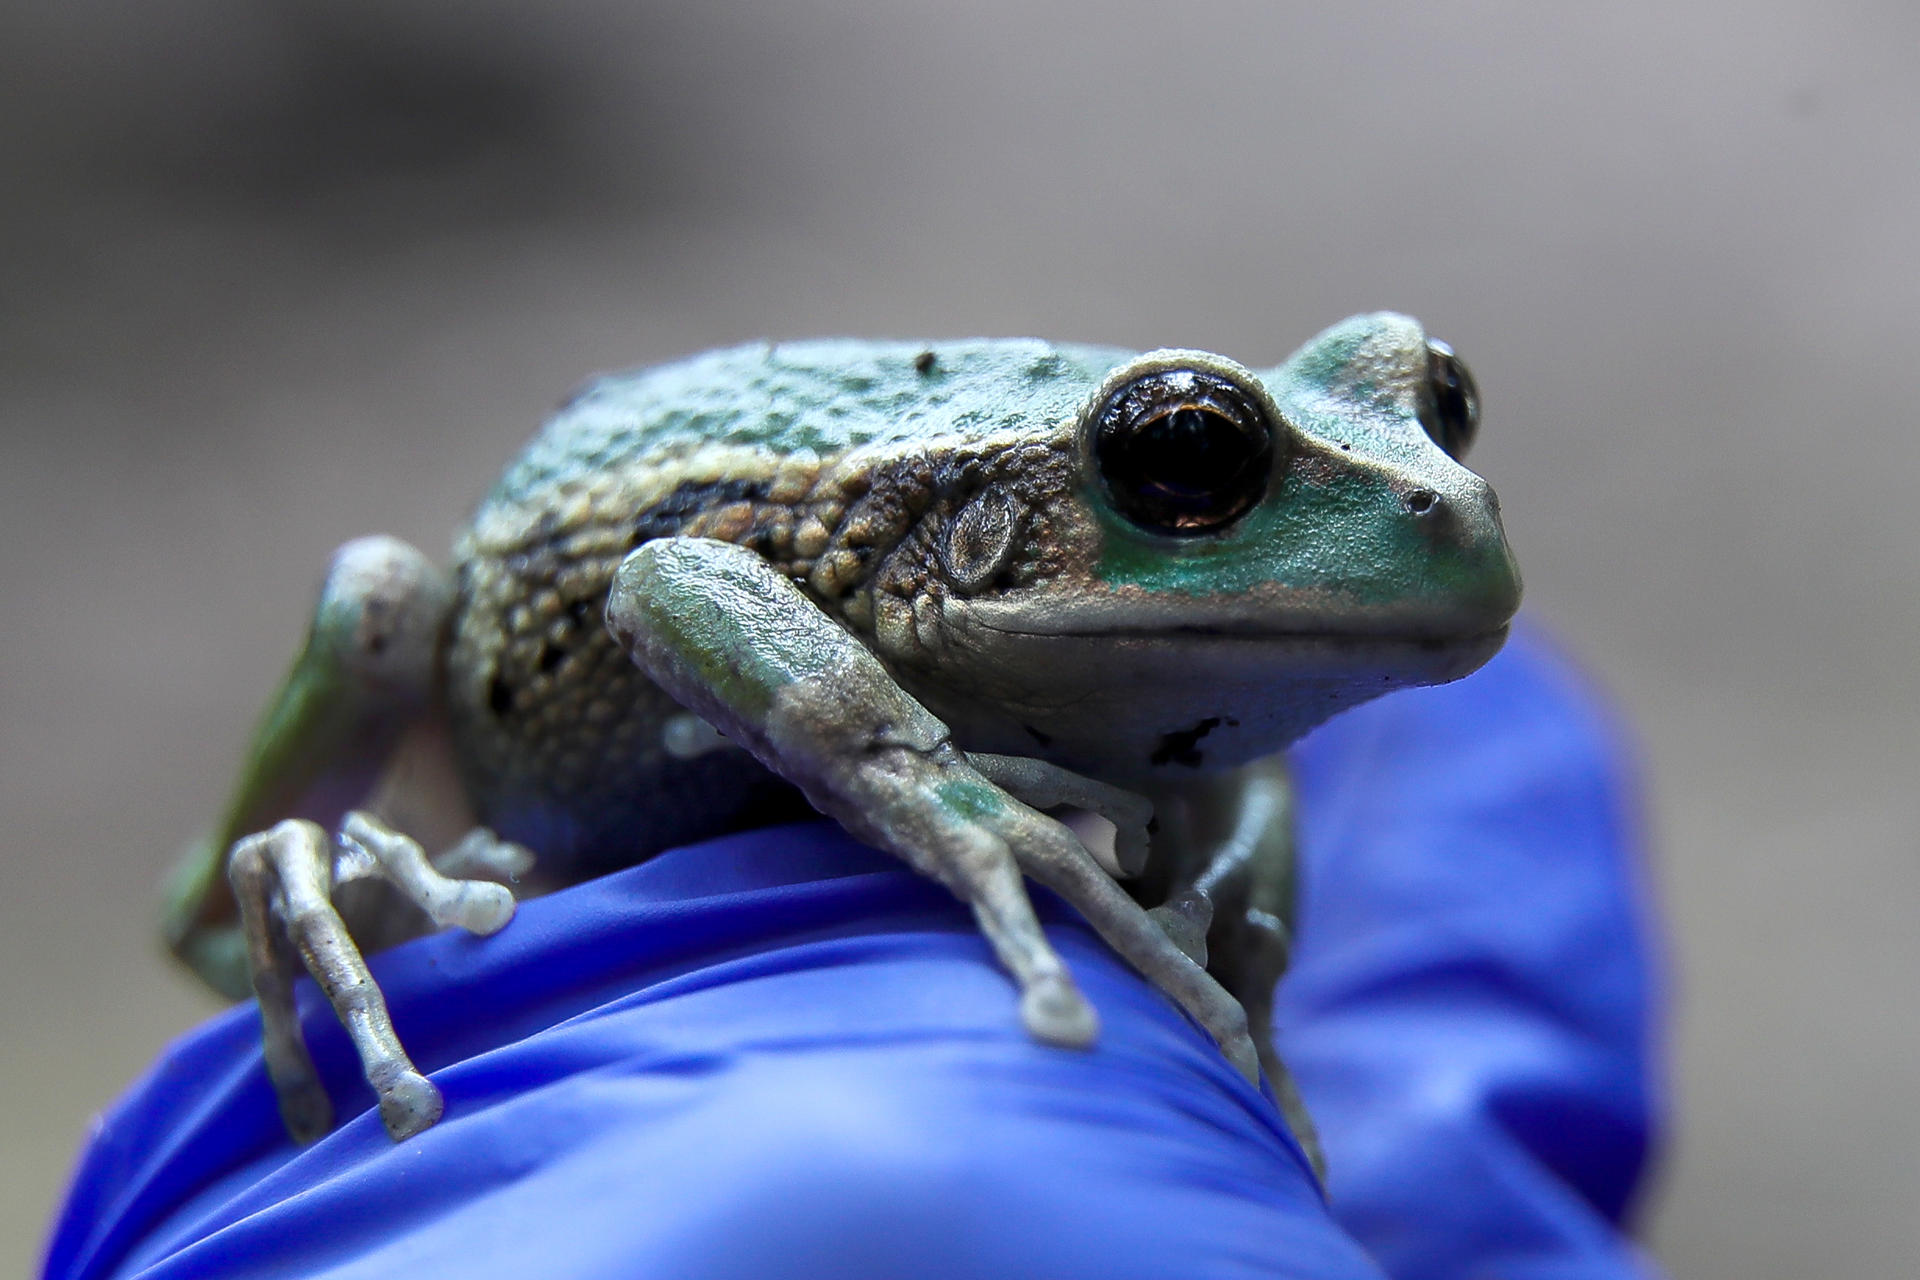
(940, 591)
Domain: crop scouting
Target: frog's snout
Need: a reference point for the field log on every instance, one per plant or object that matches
(1494, 588)
(1470, 563)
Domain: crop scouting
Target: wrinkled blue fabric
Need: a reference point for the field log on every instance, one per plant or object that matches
(781, 1054)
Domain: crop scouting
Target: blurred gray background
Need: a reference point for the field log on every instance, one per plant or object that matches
(277, 274)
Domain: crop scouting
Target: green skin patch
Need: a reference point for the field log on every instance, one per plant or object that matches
(1284, 546)
(972, 801)
(1282, 541)
(1326, 360)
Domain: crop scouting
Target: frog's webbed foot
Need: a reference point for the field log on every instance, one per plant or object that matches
(739, 645)
(284, 880)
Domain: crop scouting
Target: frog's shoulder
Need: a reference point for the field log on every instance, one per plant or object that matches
(823, 396)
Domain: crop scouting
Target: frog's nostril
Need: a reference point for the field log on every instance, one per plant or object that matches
(1423, 502)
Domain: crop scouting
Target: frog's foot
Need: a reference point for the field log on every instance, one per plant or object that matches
(1048, 786)
(908, 789)
(361, 691)
(1051, 854)
(283, 879)
(889, 774)
(983, 871)
(900, 783)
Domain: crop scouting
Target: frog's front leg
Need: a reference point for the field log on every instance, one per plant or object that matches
(737, 643)
(1229, 874)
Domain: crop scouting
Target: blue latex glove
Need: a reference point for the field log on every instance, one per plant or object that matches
(1472, 1013)
(781, 1054)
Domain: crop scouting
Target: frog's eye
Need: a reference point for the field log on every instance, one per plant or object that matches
(1182, 452)
(1450, 409)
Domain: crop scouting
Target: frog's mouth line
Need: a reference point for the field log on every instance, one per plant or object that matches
(1384, 637)
(1220, 633)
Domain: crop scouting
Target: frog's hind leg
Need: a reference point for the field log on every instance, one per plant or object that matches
(365, 681)
(364, 678)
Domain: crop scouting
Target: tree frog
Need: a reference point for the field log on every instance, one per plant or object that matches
(951, 594)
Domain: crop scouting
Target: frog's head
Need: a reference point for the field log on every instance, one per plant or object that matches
(1239, 555)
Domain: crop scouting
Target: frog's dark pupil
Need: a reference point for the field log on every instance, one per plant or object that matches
(1182, 452)
(1451, 413)
(1188, 453)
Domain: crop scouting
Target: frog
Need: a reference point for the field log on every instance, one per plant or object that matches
(1011, 610)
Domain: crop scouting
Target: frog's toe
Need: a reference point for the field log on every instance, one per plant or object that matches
(1185, 919)
(1132, 844)
(1055, 1012)
(1245, 1058)
(484, 908)
(409, 1103)
(479, 906)
(481, 855)
(305, 1110)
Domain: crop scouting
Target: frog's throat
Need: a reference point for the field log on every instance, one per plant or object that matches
(1170, 659)
(1112, 705)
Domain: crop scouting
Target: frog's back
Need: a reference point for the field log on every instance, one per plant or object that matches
(773, 446)
(817, 398)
